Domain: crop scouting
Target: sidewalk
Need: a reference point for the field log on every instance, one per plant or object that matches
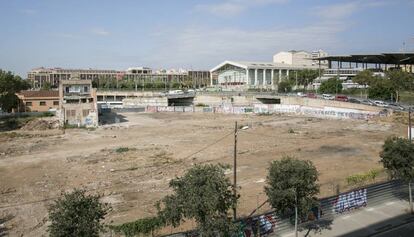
(369, 221)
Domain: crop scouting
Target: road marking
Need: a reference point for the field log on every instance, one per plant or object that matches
(370, 209)
(389, 203)
(345, 217)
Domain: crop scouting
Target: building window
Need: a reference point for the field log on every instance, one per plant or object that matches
(42, 103)
(55, 102)
(85, 112)
(29, 104)
(85, 89)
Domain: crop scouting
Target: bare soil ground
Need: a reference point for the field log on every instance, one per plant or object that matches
(35, 167)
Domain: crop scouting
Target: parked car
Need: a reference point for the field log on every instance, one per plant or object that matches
(328, 97)
(396, 106)
(380, 103)
(311, 95)
(367, 102)
(190, 91)
(300, 94)
(176, 92)
(353, 100)
(343, 98)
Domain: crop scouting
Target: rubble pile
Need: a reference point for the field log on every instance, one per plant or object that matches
(41, 124)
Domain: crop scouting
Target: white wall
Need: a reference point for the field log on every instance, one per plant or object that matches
(283, 57)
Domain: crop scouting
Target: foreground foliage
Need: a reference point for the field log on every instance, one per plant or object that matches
(397, 157)
(291, 182)
(203, 194)
(77, 214)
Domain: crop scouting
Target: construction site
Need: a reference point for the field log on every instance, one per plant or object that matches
(131, 162)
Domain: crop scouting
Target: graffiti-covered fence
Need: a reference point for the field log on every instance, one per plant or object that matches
(329, 208)
(325, 112)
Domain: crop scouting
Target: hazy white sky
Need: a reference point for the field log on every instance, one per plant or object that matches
(192, 34)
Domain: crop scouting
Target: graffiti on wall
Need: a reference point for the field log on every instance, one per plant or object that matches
(325, 112)
(331, 112)
(351, 200)
(88, 121)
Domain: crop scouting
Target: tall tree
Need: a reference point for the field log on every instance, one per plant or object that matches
(397, 156)
(291, 187)
(365, 78)
(9, 85)
(381, 89)
(400, 80)
(307, 76)
(77, 214)
(203, 194)
(331, 86)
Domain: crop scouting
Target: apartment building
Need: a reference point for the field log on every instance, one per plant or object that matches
(78, 103)
(140, 75)
(38, 77)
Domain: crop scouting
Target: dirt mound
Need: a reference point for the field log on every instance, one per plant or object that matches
(40, 124)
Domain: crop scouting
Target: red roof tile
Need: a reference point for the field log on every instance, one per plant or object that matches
(28, 94)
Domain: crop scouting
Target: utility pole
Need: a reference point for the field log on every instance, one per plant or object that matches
(409, 137)
(235, 170)
(409, 123)
(296, 214)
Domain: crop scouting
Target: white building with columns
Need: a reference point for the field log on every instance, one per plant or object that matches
(258, 75)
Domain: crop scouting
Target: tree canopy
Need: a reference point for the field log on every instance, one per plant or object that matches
(288, 178)
(77, 214)
(365, 77)
(397, 156)
(9, 85)
(331, 86)
(307, 76)
(203, 194)
(400, 80)
(382, 89)
(284, 87)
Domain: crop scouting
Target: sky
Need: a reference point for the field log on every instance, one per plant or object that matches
(198, 35)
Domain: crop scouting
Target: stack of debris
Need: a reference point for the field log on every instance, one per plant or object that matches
(41, 124)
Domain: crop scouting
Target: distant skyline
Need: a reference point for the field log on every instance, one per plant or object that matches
(109, 34)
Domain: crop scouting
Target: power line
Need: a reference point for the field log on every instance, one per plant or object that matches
(204, 148)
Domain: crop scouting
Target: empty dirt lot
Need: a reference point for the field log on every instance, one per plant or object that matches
(35, 169)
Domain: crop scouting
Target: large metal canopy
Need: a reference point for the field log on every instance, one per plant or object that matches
(383, 58)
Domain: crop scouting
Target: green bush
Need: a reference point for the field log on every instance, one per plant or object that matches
(201, 105)
(143, 226)
(121, 149)
(77, 214)
(363, 178)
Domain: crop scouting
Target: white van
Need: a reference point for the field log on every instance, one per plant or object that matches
(380, 103)
(176, 92)
(328, 97)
